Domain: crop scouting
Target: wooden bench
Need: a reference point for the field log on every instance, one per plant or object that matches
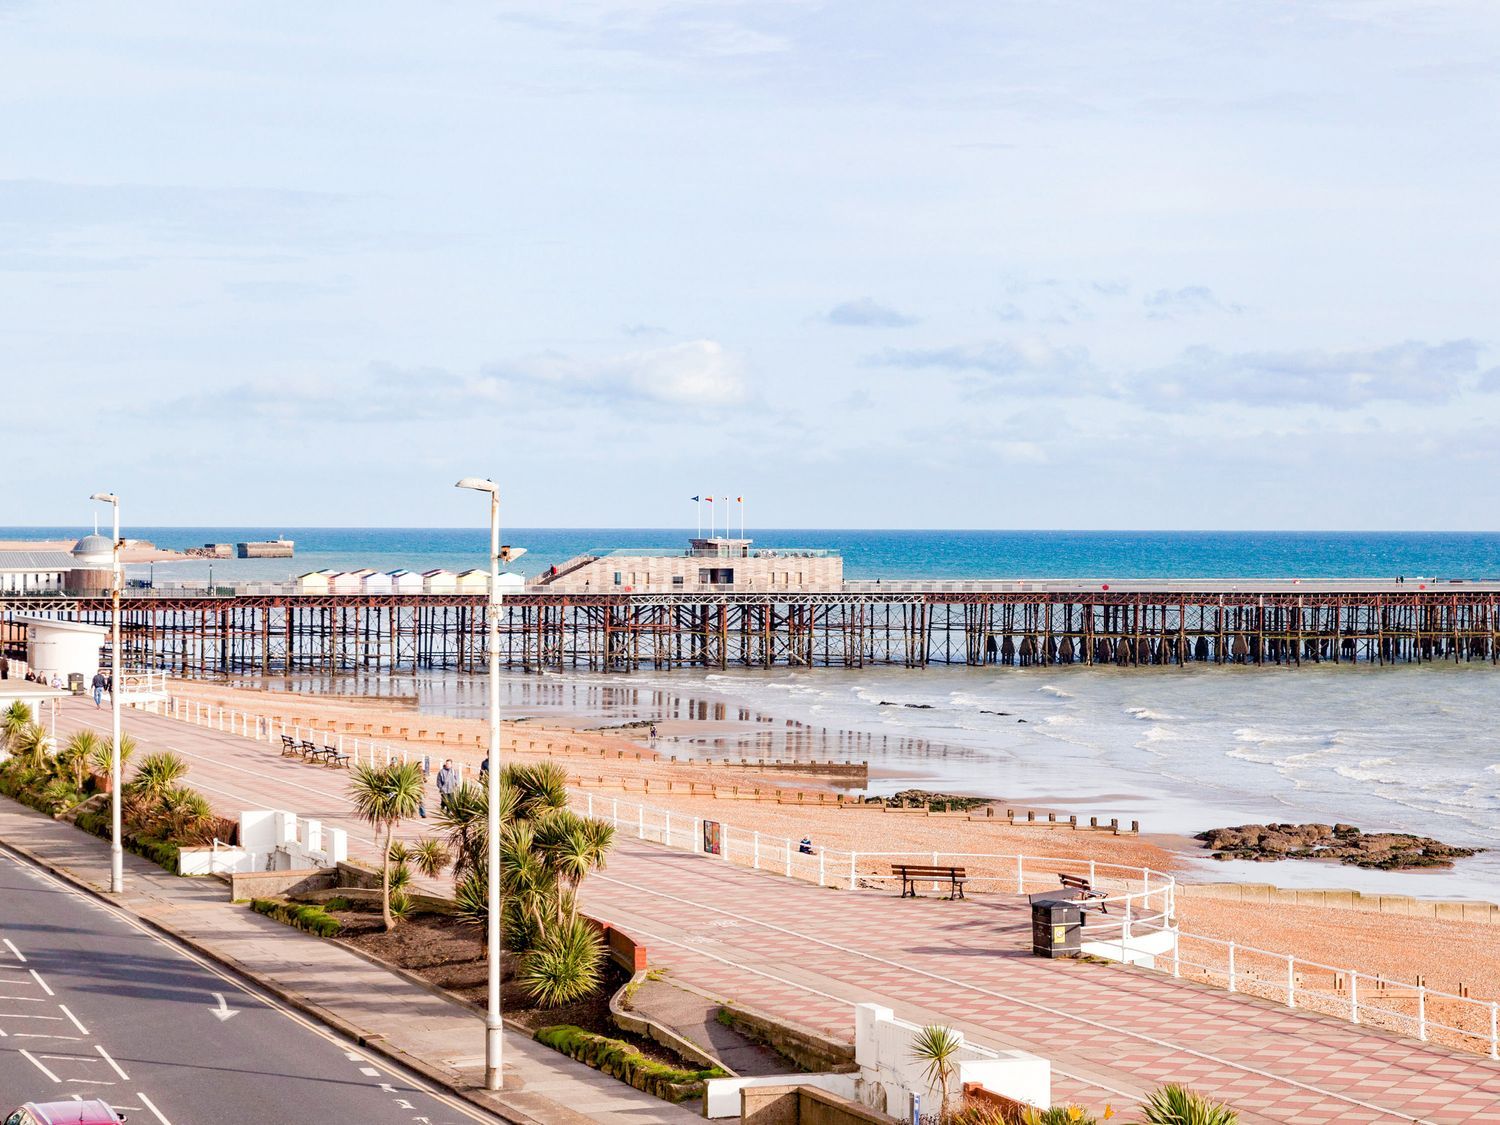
(311, 752)
(332, 757)
(1083, 890)
(913, 873)
(289, 747)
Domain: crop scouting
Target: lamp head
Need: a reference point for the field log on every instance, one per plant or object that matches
(478, 484)
(105, 497)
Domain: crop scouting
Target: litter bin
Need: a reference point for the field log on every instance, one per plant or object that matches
(1056, 927)
(75, 682)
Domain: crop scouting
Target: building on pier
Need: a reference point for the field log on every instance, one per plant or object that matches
(720, 564)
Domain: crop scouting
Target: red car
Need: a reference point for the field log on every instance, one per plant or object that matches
(64, 1113)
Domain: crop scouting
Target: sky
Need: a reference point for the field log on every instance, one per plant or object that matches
(1196, 264)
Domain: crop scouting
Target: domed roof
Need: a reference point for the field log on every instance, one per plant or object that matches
(94, 548)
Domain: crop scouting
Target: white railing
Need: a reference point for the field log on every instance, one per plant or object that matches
(1405, 1007)
(1140, 900)
(1136, 900)
(143, 682)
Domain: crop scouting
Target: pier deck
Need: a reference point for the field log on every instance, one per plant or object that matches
(912, 624)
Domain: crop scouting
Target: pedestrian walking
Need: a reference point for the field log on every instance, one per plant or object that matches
(4, 668)
(98, 686)
(484, 766)
(447, 783)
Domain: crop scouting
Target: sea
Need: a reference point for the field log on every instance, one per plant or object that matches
(1406, 748)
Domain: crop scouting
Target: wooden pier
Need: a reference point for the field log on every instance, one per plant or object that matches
(911, 625)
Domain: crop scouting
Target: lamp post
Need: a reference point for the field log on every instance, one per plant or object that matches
(492, 1024)
(116, 853)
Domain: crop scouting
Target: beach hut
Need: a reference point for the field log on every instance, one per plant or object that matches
(405, 581)
(511, 583)
(439, 581)
(313, 582)
(375, 582)
(473, 581)
(346, 581)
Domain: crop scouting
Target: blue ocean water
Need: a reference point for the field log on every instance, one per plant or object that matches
(869, 553)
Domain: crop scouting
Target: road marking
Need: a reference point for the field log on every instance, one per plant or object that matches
(353, 1056)
(176, 946)
(36, 1062)
(147, 1102)
(43, 983)
(223, 1011)
(12, 947)
(19, 1016)
(74, 1018)
(44, 1035)
(111, 1062)
(25, 999)
(369, 1070)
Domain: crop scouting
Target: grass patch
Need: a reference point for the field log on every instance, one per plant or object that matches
(620, 1060)
(313, 919)
(338, 902)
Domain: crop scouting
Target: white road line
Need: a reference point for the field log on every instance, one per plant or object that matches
(149, 1104)
(40, 1035)
(19, 1016)
(1058, 1012)
(12, 947)
(370, 1071)
(40, 981)
(36, 1062)
(25, 999)
(111, 1062)
(71, 1016)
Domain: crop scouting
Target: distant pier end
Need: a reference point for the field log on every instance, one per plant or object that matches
(712, 564)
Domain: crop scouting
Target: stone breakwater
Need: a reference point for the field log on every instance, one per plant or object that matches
(1386, 851)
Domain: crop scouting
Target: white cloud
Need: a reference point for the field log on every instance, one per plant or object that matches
(696, 373)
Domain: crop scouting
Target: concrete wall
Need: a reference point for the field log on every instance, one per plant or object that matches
(802, 1105)
(266, 884)
(1450, 910)
(808, 1049)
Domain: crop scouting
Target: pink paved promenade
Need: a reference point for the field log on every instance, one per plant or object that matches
(809, 953)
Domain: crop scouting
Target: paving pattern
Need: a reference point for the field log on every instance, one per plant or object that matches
(808, 953)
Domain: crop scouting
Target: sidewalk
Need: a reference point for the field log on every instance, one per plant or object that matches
(436, 1037)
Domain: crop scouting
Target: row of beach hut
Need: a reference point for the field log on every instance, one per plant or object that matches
(474, 581)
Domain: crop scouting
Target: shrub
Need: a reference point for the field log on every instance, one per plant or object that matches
(313, 919)
(563, 966)
(1177, 1105)
(620, 1060)
(1059, 1115)
(339, 902)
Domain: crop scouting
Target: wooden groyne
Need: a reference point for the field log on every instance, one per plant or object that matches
(910, 625)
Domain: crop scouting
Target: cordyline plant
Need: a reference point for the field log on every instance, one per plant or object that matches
(384, 796)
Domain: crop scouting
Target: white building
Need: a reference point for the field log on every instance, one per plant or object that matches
(63, 648)
(376, 582)
(439, 582)
(33, 572)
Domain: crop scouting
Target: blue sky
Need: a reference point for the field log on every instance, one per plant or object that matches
(1178, 265)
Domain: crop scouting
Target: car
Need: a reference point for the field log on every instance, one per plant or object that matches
(64, 1113)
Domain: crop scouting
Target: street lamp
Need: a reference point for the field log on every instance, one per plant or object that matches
(116, 853)
(492, 1024)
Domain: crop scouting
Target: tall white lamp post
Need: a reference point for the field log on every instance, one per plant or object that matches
(492, 1024)
(116, 853)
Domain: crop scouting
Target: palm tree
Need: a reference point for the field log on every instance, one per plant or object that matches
(937, 1047)
(541, 787)
(157, 774)
(17, 715)
(79, 753)
(571, 847)
(100, 763)
(32, 742)
(564, 965)
(384, 796)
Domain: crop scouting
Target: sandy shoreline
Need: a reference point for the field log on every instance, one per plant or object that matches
(130, 554)
(1444, 952)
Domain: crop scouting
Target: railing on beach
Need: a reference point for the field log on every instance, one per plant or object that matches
(1141, 901)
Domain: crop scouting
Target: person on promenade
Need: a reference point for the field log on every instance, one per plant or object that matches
(484, 766)
(4, 668)
(447, 783)
(98, 686)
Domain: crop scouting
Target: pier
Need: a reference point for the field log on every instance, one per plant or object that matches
(1287, 622)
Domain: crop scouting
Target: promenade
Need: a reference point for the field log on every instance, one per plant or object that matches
(808, 954)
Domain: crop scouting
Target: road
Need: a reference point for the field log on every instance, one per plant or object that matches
(93, 1004)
